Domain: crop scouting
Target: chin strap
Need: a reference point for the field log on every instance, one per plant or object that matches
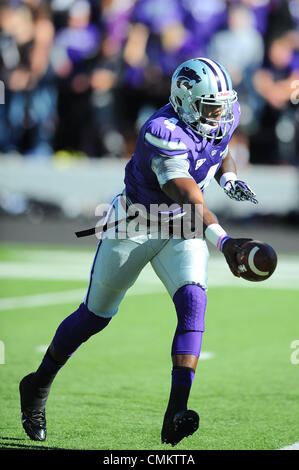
(206, 128)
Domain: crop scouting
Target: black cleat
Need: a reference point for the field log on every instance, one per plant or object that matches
(183, 424)
(33, 409)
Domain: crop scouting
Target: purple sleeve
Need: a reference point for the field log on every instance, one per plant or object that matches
(294, 64)
(237, 114)
(261, 15)
(156, 14)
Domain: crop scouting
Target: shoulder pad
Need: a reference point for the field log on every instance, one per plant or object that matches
(164, 136)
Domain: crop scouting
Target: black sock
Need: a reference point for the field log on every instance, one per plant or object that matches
(182, 378)
(46, 372)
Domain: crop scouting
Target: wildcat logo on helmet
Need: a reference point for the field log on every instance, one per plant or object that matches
(186, 76)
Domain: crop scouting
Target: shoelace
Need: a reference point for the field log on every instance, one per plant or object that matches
(36, 415)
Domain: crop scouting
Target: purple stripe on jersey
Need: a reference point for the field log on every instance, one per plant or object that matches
(106, 220)
(92, 270)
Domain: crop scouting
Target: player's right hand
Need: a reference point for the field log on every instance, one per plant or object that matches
(230, 248)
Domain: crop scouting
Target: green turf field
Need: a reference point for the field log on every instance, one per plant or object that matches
(113, 392)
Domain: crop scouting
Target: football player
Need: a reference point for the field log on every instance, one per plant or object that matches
(179, 149)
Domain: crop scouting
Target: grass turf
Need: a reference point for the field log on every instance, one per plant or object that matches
(113, 392)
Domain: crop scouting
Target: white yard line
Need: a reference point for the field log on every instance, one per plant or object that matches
(61, 268)
(51, 271)
(61, 297)
(291, 447)
(72, 266)
(42, 348)
(39, 300)
(205, 355)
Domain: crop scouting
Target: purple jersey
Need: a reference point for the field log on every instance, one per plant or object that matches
(79, 44)
(202, 19)
(168, 135)
(157, 14)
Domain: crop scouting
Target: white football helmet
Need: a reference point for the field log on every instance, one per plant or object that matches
(203, 97)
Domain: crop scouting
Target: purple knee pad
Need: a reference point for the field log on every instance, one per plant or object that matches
(76, 329)
(190, 302)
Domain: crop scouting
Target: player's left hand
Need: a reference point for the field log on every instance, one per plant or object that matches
(240, 191)
(230, 248)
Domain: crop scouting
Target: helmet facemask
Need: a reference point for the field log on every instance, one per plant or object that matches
(214, 116)
(210, 117)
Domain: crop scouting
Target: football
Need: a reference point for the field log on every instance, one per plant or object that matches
(257, 261)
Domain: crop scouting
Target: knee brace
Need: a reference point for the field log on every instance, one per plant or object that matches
(190, 302)
(76, 329)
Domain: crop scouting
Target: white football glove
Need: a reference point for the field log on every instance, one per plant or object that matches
(239, 191)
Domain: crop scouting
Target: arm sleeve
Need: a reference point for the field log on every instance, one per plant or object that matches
(224, 155)
(167, 168)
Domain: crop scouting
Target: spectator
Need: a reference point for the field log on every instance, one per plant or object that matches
(106, 76)
(150, 52)
(269, 15)
(202, 20)
(248, 54)
(247, 45)
(109, 62)
(74, 52)
(294, 12)
(261, 10)
(27, 123)
(164, 34)
(276, 140)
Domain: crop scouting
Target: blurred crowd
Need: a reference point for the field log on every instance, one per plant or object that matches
(81, 76)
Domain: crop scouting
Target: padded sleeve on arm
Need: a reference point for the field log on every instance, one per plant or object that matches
(167, 168)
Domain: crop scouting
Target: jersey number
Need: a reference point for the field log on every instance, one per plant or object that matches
(211, 173)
